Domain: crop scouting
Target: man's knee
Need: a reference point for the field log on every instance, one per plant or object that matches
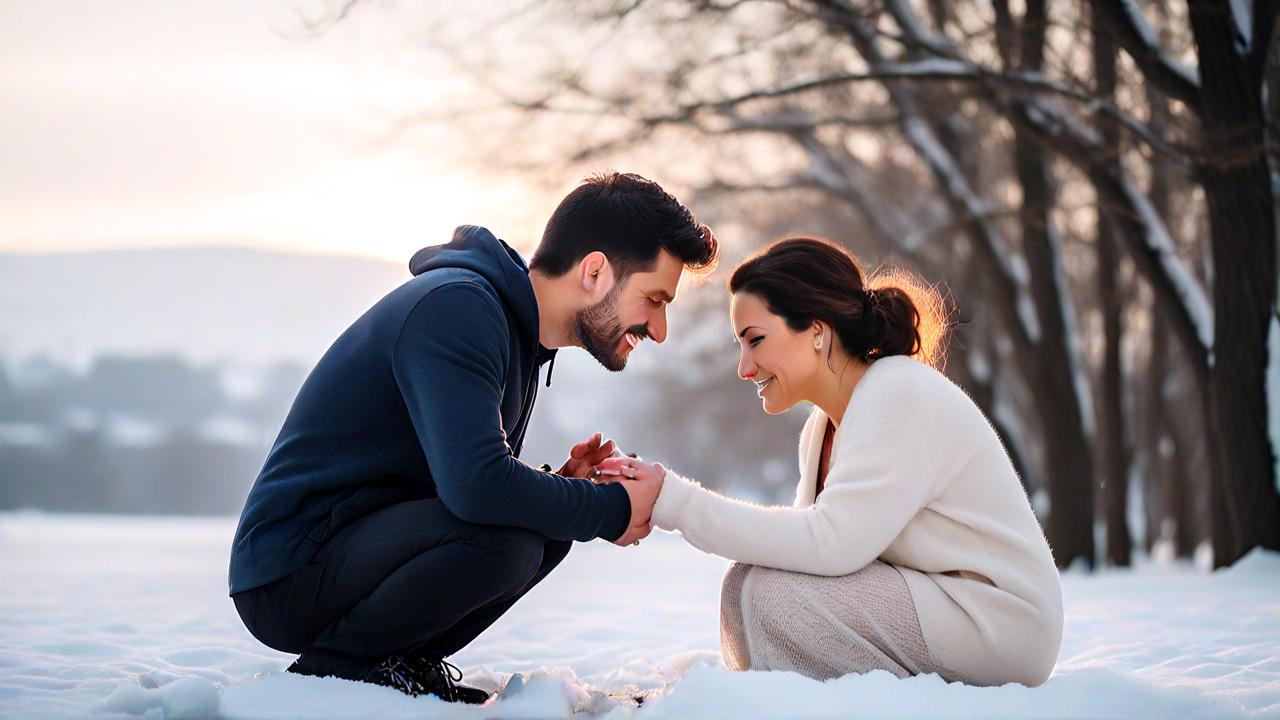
(514, 555)
(554, 552)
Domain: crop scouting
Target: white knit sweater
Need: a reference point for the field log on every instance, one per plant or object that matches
(917, 478)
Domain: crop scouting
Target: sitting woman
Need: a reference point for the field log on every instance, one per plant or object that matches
(911, 546)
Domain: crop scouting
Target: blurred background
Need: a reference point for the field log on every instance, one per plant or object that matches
(197, 198)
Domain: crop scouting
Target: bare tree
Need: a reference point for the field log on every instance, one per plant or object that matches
(778, 95)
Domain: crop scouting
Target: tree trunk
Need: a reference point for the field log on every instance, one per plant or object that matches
(1245, 506)
(1067, 446)
(1112, 430)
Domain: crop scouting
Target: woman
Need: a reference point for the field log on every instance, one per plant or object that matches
(911, 546)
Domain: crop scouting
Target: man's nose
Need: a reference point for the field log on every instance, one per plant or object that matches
(658, 326)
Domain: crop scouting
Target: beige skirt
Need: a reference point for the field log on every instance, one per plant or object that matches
(822, 627)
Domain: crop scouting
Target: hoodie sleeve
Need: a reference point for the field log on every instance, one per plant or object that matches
(450, 363)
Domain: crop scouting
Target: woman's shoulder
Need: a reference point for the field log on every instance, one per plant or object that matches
(896, 377)
(924, 389)
(909, 386)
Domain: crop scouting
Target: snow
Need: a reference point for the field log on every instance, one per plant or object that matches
(1193, 297)
(1189, 73)
(128, 617)
(1242, 15)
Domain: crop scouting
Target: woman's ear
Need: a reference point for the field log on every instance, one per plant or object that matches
(819, 334)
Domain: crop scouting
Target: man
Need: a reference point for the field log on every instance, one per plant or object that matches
(393, 522)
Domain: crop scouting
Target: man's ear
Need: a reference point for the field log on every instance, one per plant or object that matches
(595, 274)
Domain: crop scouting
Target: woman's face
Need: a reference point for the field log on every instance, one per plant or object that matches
(781, 362)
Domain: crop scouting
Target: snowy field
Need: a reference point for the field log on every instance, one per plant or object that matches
(128, 617)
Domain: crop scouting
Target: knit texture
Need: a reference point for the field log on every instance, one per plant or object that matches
(918, 479)
(821, 627)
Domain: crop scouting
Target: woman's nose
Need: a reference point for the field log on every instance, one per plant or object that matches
(747, 369)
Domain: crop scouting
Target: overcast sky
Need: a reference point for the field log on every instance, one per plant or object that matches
(184, 122)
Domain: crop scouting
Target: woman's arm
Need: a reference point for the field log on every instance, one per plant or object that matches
(880, 478)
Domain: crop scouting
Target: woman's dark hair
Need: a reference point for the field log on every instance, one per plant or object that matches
(629, 219)
(803, 279)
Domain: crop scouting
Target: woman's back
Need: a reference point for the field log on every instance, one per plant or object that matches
(975, 545)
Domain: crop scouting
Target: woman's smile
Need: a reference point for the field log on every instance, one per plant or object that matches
(762, 385)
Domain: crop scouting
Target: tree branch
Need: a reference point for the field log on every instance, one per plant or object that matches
(1138, 40)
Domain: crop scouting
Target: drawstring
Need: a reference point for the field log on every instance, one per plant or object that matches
(551, 368)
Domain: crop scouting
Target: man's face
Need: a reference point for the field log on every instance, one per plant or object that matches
(633, 310)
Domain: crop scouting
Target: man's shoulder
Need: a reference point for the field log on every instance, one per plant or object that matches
(459, 289)
(453, 299)
(445, 277)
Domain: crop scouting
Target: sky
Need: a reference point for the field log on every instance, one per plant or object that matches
(182, 123)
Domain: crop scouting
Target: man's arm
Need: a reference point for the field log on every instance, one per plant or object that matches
(450, 362)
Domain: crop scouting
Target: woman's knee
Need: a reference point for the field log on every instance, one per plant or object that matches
(731, 585)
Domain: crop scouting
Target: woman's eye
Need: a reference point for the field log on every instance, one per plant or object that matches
(755, 341)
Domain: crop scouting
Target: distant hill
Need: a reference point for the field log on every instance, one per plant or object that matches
(242, 305)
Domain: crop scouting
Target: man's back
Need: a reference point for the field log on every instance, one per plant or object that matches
(354, 439)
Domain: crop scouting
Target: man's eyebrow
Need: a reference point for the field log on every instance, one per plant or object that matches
(745, 329)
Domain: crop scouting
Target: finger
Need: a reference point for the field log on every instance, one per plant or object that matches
(607, 449)
(582, 449)
(614, 463)
(603, 453)
(644, 532)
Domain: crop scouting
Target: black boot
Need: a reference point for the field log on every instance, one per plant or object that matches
(393, 671)
(441, 678)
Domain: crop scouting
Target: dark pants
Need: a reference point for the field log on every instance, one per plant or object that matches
(411, 578)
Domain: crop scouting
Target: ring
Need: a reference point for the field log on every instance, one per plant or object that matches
(634, 543)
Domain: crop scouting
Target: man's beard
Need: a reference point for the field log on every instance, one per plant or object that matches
(600, 332)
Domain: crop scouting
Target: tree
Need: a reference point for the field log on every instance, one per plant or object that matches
(1006, 122)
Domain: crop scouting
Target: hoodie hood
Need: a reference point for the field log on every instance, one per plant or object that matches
(476, 249)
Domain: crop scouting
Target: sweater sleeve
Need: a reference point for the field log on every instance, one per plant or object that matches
(878, 480)
(450, 362)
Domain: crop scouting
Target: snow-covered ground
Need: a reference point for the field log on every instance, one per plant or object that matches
(126, 617)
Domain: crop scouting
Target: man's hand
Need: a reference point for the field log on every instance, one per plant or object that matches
(586, 455)
(643, 483)
(634, 534)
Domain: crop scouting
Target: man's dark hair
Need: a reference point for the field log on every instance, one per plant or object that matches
(629, 219)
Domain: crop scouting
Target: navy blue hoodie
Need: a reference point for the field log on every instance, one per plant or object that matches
(427, 395)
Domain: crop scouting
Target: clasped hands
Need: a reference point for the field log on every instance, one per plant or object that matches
(602, 462)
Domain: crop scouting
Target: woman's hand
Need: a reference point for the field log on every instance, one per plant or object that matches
(642, 482)
(629, 468)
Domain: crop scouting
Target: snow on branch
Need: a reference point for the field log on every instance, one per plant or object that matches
(1187, 288)
(1011, 265)
(1174, 78)
(1081, 144)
